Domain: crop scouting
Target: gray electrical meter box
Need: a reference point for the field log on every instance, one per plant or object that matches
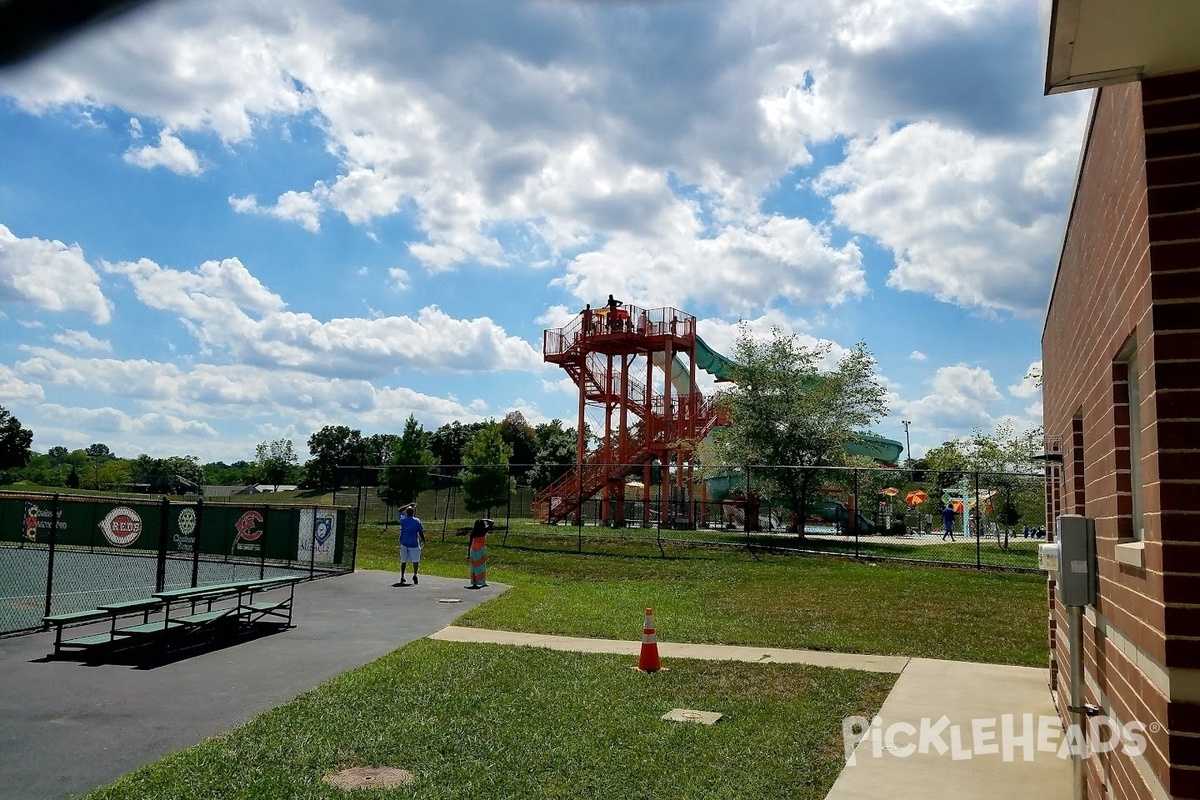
(1076, 560)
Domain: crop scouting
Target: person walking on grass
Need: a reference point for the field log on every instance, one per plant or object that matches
(477, 552)
(412, 537)
(948, 522)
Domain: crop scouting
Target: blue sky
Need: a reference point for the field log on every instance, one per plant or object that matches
(229, 221)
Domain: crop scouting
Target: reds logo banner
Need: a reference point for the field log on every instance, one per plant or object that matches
(246, 530)
(121, 526)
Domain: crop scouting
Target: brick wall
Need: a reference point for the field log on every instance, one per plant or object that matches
(1129, 281)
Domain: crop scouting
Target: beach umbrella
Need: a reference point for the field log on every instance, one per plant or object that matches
(915, 498)
(890, 491)
(957, 505)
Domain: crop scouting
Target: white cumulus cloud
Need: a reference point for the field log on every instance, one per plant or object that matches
(170, 153)
(50, 276)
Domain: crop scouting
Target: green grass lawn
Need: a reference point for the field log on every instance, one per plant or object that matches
(732, 596)
(492, 721)
(498, 721)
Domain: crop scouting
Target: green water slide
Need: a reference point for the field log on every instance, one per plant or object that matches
(713, 362)
(707, 359)
(877, 448)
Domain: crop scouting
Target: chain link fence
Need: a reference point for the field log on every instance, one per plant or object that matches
(61, 553)
(976, 519)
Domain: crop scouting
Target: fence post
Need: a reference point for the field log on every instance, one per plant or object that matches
(50, 559)
(196, 543)
(164, 528)
(978, 526)
(312, 545)
(853, 515)
(579, 512)
(262, 544)
(746, 508)
(508, 511)
(446, 516)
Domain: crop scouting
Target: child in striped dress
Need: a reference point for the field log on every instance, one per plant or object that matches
(477, 552)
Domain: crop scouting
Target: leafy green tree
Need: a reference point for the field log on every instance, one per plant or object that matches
(73, 479)
(522, 438)
(239, 473)
(556, 454)
(14, 443)
(449, 441)
(793, 416)
(276, 462)
(408, 473)
(107, 474)
(58, 454)
(331, 447)
(171, 475)
(378, 449)
(99, 452)
(486, 482)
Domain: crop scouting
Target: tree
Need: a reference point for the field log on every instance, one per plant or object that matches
(556, 454)
(73, 479)
(522, 438)
(486, 482)
(408, 473)
(171, 475)
(330, 447)
(99, 452)
(14, 443)
(378, 449)
(449, 441)
(276, 462)
(793, 417)
(58, 454)
(239, 473)
(114, 472)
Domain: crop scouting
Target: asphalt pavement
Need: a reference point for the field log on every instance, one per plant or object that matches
(70, 727)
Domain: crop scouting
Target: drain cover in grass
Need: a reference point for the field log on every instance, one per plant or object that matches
(688, 715)
(370, 778)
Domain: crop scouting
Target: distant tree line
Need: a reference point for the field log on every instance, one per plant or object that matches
(467, 454)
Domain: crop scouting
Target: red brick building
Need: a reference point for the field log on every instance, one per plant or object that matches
(1121, 368)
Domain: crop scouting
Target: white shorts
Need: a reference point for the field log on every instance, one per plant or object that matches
(410, 554)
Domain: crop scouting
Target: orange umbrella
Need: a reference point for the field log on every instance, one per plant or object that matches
(915, 497)
(890, 491)
(957, 505)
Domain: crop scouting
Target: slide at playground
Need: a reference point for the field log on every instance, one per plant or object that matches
(707, 359)
(835, 511)
(876, 448)
(713, 362)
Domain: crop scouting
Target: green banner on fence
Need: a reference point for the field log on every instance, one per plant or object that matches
(236, 532)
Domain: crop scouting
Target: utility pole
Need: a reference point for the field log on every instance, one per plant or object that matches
(907, 443)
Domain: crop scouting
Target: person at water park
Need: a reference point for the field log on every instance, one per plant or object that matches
(477, 552)
(948, 522)
(412, 536)
(587, 319)
(612, 312)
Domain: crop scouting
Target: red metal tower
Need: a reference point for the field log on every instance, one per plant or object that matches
(627, 364)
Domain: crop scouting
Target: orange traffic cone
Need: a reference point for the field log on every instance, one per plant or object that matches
(648, 660)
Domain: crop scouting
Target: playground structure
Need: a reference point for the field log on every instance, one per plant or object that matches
(636, 368)
(628, 364)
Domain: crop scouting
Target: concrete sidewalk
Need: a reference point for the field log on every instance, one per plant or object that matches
(707, 652)
(966, 694)
(926, 690)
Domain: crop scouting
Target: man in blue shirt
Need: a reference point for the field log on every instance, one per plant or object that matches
(948, 521)
(412, 536)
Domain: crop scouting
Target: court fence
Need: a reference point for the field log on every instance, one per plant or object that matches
(61, 553)
(995, 519)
